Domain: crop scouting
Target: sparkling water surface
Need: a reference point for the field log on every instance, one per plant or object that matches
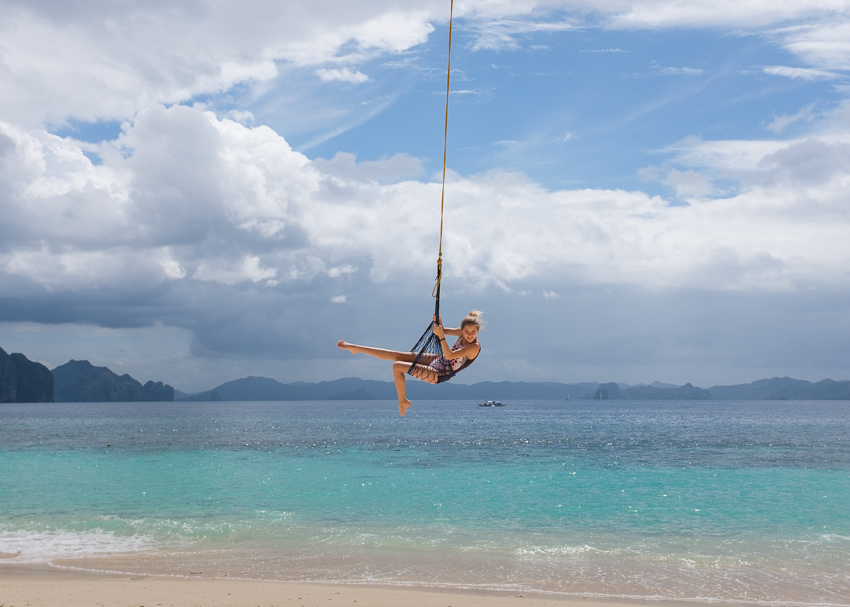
(731, 501)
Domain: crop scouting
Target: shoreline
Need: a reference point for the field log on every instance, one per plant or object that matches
(45, 584)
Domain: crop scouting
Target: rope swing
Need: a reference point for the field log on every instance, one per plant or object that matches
(428, 346)
(436, 292)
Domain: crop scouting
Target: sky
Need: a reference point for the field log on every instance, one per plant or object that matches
(195, 191)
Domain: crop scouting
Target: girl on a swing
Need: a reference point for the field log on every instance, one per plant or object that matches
(431, 368)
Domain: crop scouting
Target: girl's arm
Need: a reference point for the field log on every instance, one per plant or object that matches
(470, 351)
(454, 332)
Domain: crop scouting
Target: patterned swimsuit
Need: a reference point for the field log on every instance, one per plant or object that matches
(441, 364)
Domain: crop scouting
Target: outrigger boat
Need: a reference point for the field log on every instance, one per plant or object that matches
(491, 403)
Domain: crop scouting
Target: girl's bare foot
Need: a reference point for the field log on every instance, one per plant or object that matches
(403, 405)
(347, 346)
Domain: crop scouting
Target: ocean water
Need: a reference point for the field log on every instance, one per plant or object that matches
(732, 501)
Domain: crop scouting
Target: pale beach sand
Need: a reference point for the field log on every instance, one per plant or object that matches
(45, 586)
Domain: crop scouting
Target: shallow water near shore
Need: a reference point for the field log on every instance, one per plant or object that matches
(731, 501)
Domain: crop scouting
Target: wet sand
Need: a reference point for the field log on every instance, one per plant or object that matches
(6, 555)
(46, 586)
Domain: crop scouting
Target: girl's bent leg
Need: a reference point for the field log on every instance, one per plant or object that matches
(425, 373)
(399, 371)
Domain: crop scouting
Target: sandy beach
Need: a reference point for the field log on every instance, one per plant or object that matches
(43, 585)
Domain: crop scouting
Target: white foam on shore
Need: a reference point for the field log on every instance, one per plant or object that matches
(41, 546)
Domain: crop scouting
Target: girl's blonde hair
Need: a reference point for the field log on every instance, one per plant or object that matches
(473, 318)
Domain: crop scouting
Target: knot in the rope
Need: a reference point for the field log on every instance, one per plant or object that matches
(435, 290)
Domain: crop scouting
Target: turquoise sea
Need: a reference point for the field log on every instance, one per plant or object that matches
(731, 501)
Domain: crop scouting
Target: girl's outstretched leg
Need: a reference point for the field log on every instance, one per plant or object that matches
(399, 371)
(381, 353)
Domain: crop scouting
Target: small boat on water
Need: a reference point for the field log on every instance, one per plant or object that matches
(491, 403)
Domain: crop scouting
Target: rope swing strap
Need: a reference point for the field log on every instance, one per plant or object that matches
(429, 364)
(436, 291)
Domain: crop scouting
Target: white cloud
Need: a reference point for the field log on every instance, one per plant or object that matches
(782, 121)
(502, 34)
(94, 62)
(341, 271)
(689, 184)
(271, 215)
(170, 267)
(712, 13)
(800, 73)
(371, 28)
(342, 75)
(394, 168)
(650, 173)
(248, 269)
(824, 44)
(673, 71)
(688, 71)
(241, 116)
(817, 160)
(198, 220)
(720, 155)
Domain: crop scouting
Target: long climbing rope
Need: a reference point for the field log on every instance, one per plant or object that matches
(428, 347)
(436, 291)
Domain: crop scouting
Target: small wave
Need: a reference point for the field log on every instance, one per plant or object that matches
(45, 546)
(558, 550)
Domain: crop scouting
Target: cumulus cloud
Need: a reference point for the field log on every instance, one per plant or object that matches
(689, 184)
(108, 62)
(341, 270)
(250, 210)
(227, 273)
(814, 160)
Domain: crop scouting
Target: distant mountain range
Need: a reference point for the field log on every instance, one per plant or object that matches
(22, 380)
(784, 388)
(613, 391)
(352, 388)
(79, 381)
